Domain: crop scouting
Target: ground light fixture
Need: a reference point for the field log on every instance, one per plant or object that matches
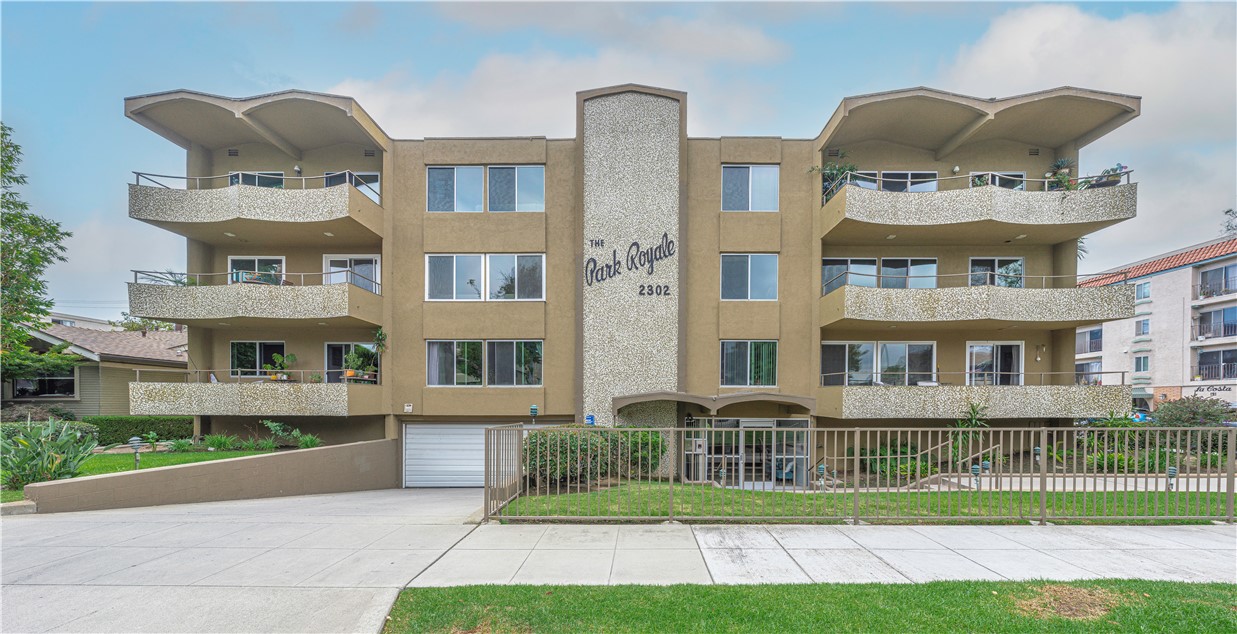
(975, 473)
(987, 466)
(1172, 477)
(532, 411)
(1037, 452)
(136, 443)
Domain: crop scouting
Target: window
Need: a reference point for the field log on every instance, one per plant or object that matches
(453, 363)
(751, 276)
(520, 188)
(1089, 341)
(1088, 373)
(1006, 180)
(256, 270)
(363, 271)
(1142, 363)
(1218, 323)
(248, 357)
(337, 352)
(513, 363)
(1142, 290)
(898, 363)
(63, 322)
(456, 189)
(749, 363)
(1142, 327)
(47, 386)
(908, 181)
(1005, 272)
(908, 273)
(847, 363)
(750, 187)
(368, 183)
(994, 363)
(838, 272)
(260, 179)
(1216, 364)
(516, 277)
(1218, 281)
(906, 363)
(454, 277)
(866, 180)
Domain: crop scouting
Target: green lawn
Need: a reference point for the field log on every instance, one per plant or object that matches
(954, 606)
(653, 500)
(116, 462)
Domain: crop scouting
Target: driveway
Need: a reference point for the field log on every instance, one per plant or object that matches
(323, 563)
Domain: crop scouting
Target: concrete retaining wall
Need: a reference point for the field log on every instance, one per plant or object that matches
(359, 466)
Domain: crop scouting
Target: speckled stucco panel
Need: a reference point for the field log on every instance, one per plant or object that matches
(1006, 401)
(249, 202)
(989, 302)
(239, 399)
(243, 300)
(1118, 202)
(631, 194)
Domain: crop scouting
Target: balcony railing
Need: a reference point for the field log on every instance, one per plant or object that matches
(1219, 288)
(262, 278)
(259, 179)
(1214, 329)
(360, 377)
(959, 280)
(1214, 371)
(985, 378)
(961, 181)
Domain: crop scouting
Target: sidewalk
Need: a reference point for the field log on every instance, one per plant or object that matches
(744, 554)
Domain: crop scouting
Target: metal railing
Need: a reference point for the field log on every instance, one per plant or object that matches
(267, 278)
(1213, 330)
(728, 471)
(904, 377)
(227, 375)
(259, 179)
(1214, 371)
(1222, 288)
(960, 280)
(866, 180)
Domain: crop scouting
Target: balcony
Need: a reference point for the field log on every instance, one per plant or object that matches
(342, 298)
(1028, 395)
(1217, 290)
(216, 393)
(1213, 372)
(226, 210)
(857, 301)
(854, 212)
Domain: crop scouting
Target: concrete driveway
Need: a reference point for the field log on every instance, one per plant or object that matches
(324, 563)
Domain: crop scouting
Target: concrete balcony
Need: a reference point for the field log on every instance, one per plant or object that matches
(230, 215)
(951, 401)
(255, 398)
(210, 305)
(857, 307)
(987, 215)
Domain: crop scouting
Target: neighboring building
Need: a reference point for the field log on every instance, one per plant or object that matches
(631, 273)
(1182, 338)
(79, 321)
(100, 385)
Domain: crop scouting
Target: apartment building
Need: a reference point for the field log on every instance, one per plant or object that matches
(632, 274)
(1182, 338)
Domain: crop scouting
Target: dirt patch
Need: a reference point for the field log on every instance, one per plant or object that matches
(1070, 602)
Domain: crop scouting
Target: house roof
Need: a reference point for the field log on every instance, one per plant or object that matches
(1184, 257)
(156, 348)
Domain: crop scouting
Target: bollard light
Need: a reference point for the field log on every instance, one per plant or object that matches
(1038, 451)
(1172, 476)
(532, 411)
(975, 473)
(987, 466)
(136, 443)
(820, 470)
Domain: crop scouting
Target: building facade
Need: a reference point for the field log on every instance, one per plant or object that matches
(1182, 339)
(631, 274)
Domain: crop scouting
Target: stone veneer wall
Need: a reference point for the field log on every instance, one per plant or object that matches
(631, 194)
(239, 399)
(238, 201)
(1004, 401)
(988, 302)
(320, 301)
(1118, 202)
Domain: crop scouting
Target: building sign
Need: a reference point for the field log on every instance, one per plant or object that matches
(638, 258)
(1223, 392)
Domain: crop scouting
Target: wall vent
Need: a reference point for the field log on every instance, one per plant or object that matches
(369, 153)
(833, 152)
(1033, 152)
(233, 152)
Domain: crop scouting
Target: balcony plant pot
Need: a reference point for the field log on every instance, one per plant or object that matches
(350, 373)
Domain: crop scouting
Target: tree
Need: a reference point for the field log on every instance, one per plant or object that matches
(131, 323)
(29, 243)
(1230, 222)
(1194, 411)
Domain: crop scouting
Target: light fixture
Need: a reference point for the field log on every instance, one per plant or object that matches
(1039, 350)
(328, 234)
(322, 323)
(229, 234)
(1020, 236)
(136, 443)
(224, 323)
(957, 169)
(297, 169)
(891, 236)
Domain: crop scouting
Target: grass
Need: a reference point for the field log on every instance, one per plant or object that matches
(118, 462)
(947, 606)
(653, 500)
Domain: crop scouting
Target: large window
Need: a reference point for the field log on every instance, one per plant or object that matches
(368, 183)
(455, 277)
(517, 188)
(994, 363)
(1005, 180)
(838, 272)
(878, 363)
(1216, 364)
(496, 277)
(453, 363)
(1218, 323)
(459, 189)
(908, 181)
(749, 363)
(750, 187)
(259, 179)
(337, 357)
(516, 277)
(255, 270)
(1088, 373)
(908, 273)
(248, 357)
(1089, 341)
(363, 271)
(1218, 281)
(1007, 272)
(47, 386)
(513, 363)
(1142, 290)
(749, 276)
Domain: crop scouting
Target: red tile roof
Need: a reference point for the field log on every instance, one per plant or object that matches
(1181, 258)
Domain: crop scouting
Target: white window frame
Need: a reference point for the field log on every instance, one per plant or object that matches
(258, 357)
(875, 276)
(377, 257)
(876, 358)
(1146, 358)
(873, 184)
(517, 210)
(370, 187)
(283, 265)
(486, 270)
(326, 347)
(996, 261)
(776, 372)
(721, 282)
(1022, 359)
(1138, 325)
(455, 190)
(482, 282)
(936, 180)
(283, 180)
(880, 271)
(722, 183)
(454, 344)
(1138, 285)
(485, 361)
(1020, 174)
(77, 390)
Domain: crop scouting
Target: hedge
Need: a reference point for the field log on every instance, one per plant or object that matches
(8, 430)
(119, 429)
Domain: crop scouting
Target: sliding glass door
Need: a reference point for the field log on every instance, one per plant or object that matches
(994, 363)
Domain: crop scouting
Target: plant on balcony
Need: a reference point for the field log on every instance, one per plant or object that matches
(279, 368)
(353, 364)
(315, 377)
(380, 340)
(981, 180)
(833, 175)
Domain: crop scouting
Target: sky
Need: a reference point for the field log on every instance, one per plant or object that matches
(473, 69)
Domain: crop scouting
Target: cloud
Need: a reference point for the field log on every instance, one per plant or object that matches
(1183, 147)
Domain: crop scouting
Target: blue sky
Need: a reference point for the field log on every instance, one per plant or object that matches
(509, 69)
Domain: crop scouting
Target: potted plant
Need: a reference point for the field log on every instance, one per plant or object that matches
(278, 369)
(353, 363)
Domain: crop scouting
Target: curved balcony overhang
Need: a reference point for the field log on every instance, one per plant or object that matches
(256, 398)
(952, 401)
(713, 403)
(249, 305)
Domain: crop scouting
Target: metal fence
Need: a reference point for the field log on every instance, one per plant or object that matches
(785, 470)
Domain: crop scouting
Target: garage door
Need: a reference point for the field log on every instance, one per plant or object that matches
(444, 455)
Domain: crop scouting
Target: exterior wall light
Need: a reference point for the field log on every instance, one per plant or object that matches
(957, 169)
(532, 411)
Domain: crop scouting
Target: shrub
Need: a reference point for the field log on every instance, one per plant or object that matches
(267, 444)
(35, 412)
(53, 451)
(308, 441)
(1194, 411)
(181, 445)
(220, 442)
(916, 469)
(119, 429)
(570, 453)
(249, 444)
(634, 453)
(1109, 463)
(9, 430)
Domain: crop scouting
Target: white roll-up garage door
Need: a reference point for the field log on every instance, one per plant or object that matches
(438, 455)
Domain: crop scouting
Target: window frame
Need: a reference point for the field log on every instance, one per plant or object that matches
(258, 343)
(326, 357)
(348, 180)
(1096, 374)
(455, 189)
(996, 267)
(749, 166)
(327, 257)
(1010, 174)
(936, 180)
(876, 360)
(880, 272)
(485, 266)
(1087, 333)
(1138, 286)
(516, 194)
(874, 276)
(1022, 361)
(283, 266)
(240, 175)
(748, 373)
(777, 290)
(1142, 327)
(77, 392)
(1145, 361)
(485, 354)
(455, 357)
(454, 297)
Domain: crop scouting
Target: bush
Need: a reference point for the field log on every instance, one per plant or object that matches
(220, 442)
(35, 412)
(119, 429)
(1109, 463)
(181, 445)
(308, 441)
(54, 451)
(9, 430)
(634, 453)
(248, 444)
(1194, 411)
(576, 455)
(916, 469)
(267, 444)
